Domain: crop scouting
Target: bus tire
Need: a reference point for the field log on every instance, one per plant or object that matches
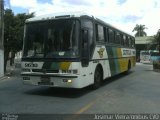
(98, 77)
(129, 67)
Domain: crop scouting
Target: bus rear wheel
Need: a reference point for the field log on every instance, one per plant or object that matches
(129, 67)
(98, 77)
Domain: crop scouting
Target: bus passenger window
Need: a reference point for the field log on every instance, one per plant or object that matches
(111, 36)
(118, 38)
(100, 33)
(132, 43)
(129, 41)
(106, 34)
(123, 40)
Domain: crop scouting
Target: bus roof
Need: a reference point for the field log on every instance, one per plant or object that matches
(70, 15)
(58, 15)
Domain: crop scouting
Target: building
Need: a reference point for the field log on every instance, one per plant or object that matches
(1, 40)
(144, 43)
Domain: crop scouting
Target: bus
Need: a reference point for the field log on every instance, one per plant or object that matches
(74, 50)
(147, 56)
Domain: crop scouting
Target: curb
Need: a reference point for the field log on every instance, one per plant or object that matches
(156, 70)
(3, 78)
(6, 75)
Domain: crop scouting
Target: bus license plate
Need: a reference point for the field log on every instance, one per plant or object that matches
(45, 81)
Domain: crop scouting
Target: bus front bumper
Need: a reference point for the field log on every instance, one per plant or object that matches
(66, 81)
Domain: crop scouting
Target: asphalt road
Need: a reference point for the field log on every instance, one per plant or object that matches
(137, 92)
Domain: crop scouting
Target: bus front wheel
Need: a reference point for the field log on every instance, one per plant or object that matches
(98, 77)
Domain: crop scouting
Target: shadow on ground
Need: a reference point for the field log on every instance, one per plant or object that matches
(70, 92)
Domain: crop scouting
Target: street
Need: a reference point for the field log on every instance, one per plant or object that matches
(137, 92)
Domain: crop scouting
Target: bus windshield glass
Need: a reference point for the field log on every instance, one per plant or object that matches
(51, 39)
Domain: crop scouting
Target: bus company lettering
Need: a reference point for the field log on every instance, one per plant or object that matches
(126, 52)
(134, 52)
(31, 65)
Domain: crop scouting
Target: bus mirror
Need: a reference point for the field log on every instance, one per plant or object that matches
(84, 36)
(85, 49)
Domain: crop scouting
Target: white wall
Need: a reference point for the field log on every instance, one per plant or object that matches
(1, 63)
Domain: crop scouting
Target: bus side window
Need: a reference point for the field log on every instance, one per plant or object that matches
(118, 38)
(111, 36)
(129, 42)
(99, 33)
(123, 40)
(106, 34)
(126, 41)
(133, 42)
(88, 24)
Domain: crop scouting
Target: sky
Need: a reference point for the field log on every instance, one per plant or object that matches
(123, 14)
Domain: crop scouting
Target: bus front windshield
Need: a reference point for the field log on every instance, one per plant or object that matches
(51, 39)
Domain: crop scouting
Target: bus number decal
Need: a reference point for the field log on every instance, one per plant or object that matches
(31, 65)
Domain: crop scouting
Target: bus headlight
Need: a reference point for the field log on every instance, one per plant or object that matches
(67, 81)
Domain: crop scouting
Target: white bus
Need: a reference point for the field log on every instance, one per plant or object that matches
(74, 51)
(147, 56)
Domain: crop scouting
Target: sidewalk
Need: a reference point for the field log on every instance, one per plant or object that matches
(11, 71)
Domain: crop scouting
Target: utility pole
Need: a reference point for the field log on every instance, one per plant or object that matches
(158, 40)
(1, 23)
(1, 37)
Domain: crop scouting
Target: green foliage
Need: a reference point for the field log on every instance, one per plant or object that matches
(13, 32)
(8, 29)
(140, 30)
(157, 40)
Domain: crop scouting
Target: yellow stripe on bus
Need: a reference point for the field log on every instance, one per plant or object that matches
(65, 65)
(119, 52)
(123, 64)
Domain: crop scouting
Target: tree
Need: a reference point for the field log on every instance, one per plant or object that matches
(8, 34)
(13, 33)
(140, 30)
(156, 61)
(157, 40)
(19, 28)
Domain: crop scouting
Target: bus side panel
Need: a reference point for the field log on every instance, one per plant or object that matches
(116, 62)
(130, 55)
(119, 59)
(100, 56)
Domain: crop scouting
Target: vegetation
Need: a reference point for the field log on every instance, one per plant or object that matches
(157, 40)
(140, 30)
(156, 61)
(13, 33)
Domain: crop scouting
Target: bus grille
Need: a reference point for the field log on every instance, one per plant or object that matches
(45, 71)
